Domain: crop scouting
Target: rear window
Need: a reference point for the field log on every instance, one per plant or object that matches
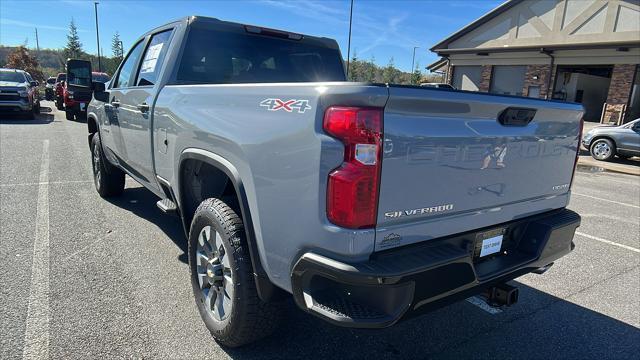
(215, 57)
(51, 80)
(61, 77)
(103, 78)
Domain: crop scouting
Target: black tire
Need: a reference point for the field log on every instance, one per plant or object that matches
(36, 107)
(602, 149)
(59, 105)
(69, 114)
(108, 179)
(248, 318)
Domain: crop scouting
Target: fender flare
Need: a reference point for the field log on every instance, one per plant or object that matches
(266, 289)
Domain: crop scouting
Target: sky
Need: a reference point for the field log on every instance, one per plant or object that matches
(381, 29)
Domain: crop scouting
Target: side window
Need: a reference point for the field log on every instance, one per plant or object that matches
(153, 58)
(124, 79)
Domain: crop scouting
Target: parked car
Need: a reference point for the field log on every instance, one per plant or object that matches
(59, 90)
(438, 85)
(605, 142)
(368, 203)
(77, 89)
(49, 93)
(18, 93)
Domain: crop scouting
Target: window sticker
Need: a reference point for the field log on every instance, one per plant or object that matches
(151, 58)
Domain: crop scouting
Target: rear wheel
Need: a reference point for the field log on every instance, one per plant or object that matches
(221, 277)
(59, 105)
(108, 179)
(602, 149)
(69, 114)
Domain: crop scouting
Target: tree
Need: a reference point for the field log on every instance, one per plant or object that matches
(390, 73)
(74, 46)
(416, 75)
(21, 59)
(116, 46)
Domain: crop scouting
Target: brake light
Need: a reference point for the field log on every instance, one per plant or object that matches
(575, 163)
(352, 190)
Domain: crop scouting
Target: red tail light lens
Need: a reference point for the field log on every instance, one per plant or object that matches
(352, 191)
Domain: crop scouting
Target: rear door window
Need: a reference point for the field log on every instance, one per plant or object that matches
(125, 76)
(153, 58)
(217, 57)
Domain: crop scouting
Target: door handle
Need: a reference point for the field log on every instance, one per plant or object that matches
(115, 103)
(144, 107)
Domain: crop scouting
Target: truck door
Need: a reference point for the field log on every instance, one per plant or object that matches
(112, 129)
(135, 115)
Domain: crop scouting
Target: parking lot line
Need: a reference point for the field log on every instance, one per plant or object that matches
(607, 200)
(477, 301)
(631, 248)
(48, 183)
(36, 334)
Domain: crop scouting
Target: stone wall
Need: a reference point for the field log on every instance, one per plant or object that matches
(619, 92)
(485, 78)
(536, 75)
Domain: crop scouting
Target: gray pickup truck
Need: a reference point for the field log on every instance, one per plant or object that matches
(369, 203)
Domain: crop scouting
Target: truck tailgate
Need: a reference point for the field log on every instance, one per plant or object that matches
(450, 166)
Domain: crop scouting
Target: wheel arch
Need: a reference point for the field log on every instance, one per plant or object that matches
(266, 289)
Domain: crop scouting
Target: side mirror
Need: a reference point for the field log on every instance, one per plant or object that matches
(33, 83)
(97, 86)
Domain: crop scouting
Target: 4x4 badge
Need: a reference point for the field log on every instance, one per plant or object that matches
(287, 105)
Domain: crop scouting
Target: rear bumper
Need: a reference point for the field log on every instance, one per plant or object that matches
(404, 282)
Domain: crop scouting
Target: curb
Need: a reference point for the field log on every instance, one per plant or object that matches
(611, 167)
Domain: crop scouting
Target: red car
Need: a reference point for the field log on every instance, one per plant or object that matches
(76, 101)
(59, 90)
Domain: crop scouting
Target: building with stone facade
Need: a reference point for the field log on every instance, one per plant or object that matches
(584, 51)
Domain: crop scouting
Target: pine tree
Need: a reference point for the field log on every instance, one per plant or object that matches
(73, 49)
(389, 73)
(416, 75)
(116, 46)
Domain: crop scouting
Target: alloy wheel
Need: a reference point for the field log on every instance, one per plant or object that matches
(215, 276)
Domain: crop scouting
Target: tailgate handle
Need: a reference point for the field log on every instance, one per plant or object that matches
(515, 116)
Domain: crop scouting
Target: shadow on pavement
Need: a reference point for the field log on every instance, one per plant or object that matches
(45, 117)
(141, 202)
(541, 326)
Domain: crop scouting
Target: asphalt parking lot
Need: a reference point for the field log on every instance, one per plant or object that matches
(109, 279)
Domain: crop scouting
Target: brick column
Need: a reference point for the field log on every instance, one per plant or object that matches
(536, 75)
(449, 78)
(619, 91)
(485, 78)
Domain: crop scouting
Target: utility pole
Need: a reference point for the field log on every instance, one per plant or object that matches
(37, 42)
(413, 61)
(349, 41)
(95, 6)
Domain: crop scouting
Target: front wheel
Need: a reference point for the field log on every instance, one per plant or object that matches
(221, 277)
(108, 179)
(69, 114)
(602, 149)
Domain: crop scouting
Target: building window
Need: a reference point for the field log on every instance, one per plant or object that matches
(633, 111)
(507, 80)
(467, 77)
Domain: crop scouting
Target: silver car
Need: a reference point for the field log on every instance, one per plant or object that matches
(606, 141)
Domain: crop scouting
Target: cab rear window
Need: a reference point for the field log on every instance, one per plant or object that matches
(216, 57)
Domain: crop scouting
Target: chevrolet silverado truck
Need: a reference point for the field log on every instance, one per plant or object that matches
(368, 203)
(18, 93)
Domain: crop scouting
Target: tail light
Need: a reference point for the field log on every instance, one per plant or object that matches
(352, 190)
(575, 163)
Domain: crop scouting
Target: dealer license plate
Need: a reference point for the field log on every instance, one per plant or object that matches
(489, 242)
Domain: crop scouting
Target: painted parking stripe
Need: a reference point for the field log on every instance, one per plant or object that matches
(36, 334)
(607, 200)
(479, 302)
(631, 248)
